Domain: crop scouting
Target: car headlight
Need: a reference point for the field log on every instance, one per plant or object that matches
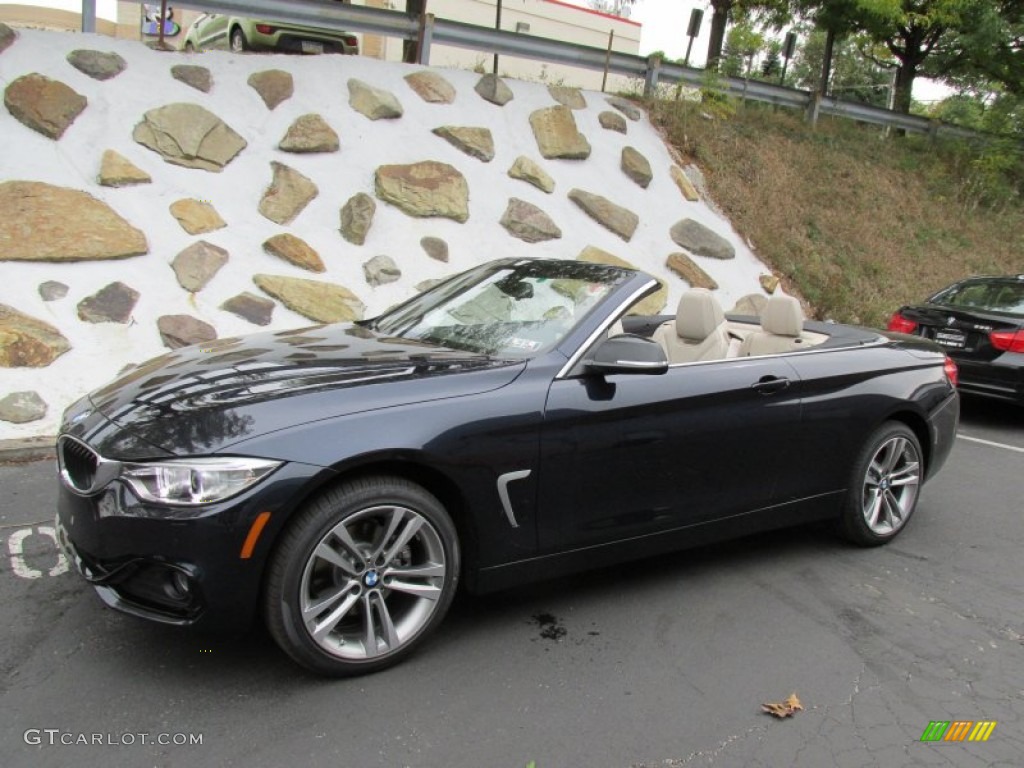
(195, 481)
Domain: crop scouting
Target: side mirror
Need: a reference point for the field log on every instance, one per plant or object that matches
(628, 354)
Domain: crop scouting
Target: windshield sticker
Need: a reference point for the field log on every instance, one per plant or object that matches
(527, 344)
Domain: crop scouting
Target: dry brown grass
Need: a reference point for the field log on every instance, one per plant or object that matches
(855, 223)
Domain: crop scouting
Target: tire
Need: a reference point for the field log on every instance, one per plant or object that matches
(238, 43)
(336, 600)
(884, 486)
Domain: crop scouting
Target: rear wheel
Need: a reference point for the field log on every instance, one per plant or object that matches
(362, 576)
(884, 486)
(238, 42)
(189, 48)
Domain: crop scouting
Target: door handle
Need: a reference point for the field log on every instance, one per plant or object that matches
(770, 385)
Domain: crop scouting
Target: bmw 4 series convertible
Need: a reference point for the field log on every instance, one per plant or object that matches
(518, 421)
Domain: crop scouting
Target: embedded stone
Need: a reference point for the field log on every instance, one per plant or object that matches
(310, 133)
(22, 407)
(42, 222)
(287, 195)
(357, 218)
(428, 188)
(568, 97)
(431, 87)
(249, 306)
(196, 265)
(375, 103)
(683, 182)
(116, 170)
(273, 85)
(528, 222)
(687, 269)
(51, 290)
(380, 270)
(622, 221)
(698, 239)
(526, 170)
(555, 130)
(97, 64)
(198, 77)
(44, 105)
(190, 136)
(7, 36)
(651, 305)
(751, 304)
(26, 342)
(196, 216)
(612, 121)
(636, 166)
(628, 108)
(493, 89)
(475, 142)
(769, 283)
(319, 301)
(295, 251)
(425, 285)
(178, 331)
(111, 304)
(435, 247)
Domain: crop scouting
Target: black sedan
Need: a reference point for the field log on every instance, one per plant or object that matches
(980, 323)
(515, 422)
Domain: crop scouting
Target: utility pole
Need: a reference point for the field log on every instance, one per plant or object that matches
(497, 25)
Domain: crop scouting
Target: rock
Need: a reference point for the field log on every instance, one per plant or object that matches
(769, 283)
(426, 285)
(528, 222)
(116, 170)
(42, 222)
(196, 265)
(111, 304)
(182, 330)
(357, 218)
(493, 89)
(526, 170)
(652, 305)
(310, 133)
(22, 407)
(698, 239)
(7, 36)
(751, 304)
(435, 247)
(612, 121)
(26, 342)
(196, 217)
(44, 105)
(428, 188)
(475, 142)
(683, 182)
(619, 220)
(273, 85)
(196, 76)
(380, 270)
(568, 97)
(685, 267)
(295, 251)
(188, 135)
(51, 290)
(287, 194)
(251, 307)
(97, 64)
(554, 128)
(431, 87)
(375, 103)
(628, 108)
(636, 167)
(322, 302)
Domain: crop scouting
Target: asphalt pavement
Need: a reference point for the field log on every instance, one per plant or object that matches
(661, 663)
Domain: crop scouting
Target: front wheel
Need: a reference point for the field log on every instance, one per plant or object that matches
(884, 486)
(362, 576)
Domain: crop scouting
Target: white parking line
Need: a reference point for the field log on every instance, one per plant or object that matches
(989, 442)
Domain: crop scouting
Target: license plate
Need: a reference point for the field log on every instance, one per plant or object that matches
(952, 339)
(310, 47)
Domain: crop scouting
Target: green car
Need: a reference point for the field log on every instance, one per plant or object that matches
(213, 30)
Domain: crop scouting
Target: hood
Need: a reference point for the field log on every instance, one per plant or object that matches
(203, 398)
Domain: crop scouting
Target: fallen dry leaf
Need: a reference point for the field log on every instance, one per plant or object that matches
(783, 708)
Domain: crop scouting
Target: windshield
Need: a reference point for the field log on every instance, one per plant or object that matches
(505, 309)
(987, 295)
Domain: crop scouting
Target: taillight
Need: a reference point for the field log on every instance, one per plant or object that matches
(1007, 341)
(349, 40)
(901, 324)
(264, 29)
(950, 369)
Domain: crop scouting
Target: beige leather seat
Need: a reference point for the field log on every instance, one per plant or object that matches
(782, 323)
(699, 331)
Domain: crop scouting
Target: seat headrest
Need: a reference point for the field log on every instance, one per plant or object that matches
(698, 314)
(782, 316)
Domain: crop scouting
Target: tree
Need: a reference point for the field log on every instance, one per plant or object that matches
(852, 76)
(742, 44)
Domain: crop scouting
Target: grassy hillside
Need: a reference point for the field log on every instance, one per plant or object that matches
(854, 222)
